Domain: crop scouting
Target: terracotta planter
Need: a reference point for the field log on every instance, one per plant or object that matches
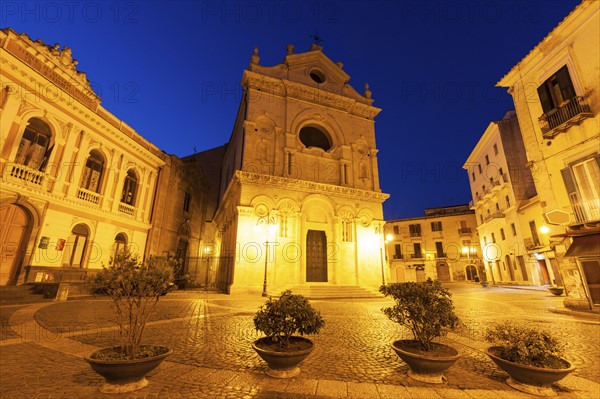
(425, 367)
(283, 364)
(485, 283)
(126, 375)
(530, 379)
(558, 291)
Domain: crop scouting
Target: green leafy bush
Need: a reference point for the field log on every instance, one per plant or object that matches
(526, 345)
(289, 315)
(426, 309)
(134, 288)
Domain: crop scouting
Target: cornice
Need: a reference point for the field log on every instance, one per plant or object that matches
(98, 119)
(284, 87)
(285, 183)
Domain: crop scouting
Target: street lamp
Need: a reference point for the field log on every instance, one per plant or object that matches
(271, 230)
(379, 231)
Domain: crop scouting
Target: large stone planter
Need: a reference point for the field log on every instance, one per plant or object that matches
(283, 364)
(558, 291)
(426, 366)
(126, 375)
(529, 379)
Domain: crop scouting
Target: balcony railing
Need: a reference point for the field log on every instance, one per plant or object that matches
(495, 215)
(560, 119)
(414, 234)
(440, 255)
(126, 209)
(586, 211)
(416, 256)
(25, 174)
(88, 196)
(465, 231)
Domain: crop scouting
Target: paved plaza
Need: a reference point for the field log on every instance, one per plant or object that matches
(42, 345)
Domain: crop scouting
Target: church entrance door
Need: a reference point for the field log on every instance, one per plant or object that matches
(316, 256)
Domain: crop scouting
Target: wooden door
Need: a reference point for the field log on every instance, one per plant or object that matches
(12, 231)
(316, 256)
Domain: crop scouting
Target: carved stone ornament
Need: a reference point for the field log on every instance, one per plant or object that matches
(364, 219)
(261, 210)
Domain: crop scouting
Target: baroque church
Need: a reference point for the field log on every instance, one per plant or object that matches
(291, 201)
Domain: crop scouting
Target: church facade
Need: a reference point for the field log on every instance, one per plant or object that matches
(300, 202)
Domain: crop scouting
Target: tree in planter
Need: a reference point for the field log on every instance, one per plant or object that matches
(280, 319)
(135, 289)
(291, 314)
(526, 345)
(533, 358)
(426, 309)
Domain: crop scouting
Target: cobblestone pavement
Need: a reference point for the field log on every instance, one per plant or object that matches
(211, 336)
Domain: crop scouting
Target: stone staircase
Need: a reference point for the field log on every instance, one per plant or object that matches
(334, 292)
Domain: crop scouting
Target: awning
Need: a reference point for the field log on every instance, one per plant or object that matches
(585, 246)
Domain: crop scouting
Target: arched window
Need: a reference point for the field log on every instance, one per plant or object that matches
(74, 251)
(92, 173)
(34, 148)
(312, 136)
(129, 188)
(120, 244)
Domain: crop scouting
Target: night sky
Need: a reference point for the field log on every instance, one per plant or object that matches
(172, 70)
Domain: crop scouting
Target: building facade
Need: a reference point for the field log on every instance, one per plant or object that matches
(508, 210)
(443, 245)
(77, 184)
(556, 97)
(299, 201)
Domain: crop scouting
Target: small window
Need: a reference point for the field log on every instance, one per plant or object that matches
(479, 167)
(436, 226)
(186, 202)
(396, 230)
(557, 90)
(500, 172)
(120, 244)
(495, 149)
(514, 229)
(397, 251)
(317, 76)
(473, 176)
(493, 238)
(312, 136)
(507, 201)
(487, 160)
(497, 206)
(484, 240)
(417, 250)
(415, 230)
(502, 234)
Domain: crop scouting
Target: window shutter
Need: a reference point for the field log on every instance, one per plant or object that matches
(564, 82)
(545, 98)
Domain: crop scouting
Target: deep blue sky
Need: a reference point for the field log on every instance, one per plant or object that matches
(172, 70)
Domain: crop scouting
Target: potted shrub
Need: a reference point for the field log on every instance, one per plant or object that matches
(135, 289)
(484, 283)
(426, 309)
(281, 320)
(558, 291)
(533, 358)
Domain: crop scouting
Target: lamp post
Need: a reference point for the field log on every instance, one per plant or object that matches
(271, 229)
(379, 231)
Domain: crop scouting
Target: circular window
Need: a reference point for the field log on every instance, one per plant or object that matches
(317, 76)
(311, 136)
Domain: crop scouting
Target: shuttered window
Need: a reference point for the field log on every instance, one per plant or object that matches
(555, 91)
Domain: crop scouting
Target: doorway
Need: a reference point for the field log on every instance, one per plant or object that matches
(13, 231)
(471, 272)
(316, 256)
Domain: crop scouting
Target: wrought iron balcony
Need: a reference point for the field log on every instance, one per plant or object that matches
(562, 118)
(416, 256)
(531, 244)
(586, 211)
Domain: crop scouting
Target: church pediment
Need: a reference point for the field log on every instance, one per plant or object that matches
(313, 69)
